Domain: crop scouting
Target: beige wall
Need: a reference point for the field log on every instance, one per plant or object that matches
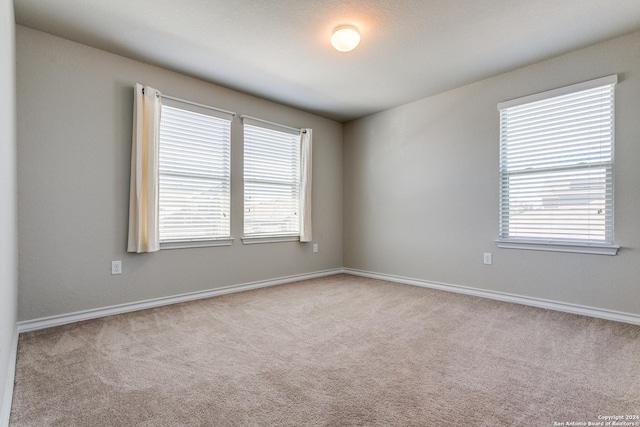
(421, 188)
(74, 144)
(8, 229)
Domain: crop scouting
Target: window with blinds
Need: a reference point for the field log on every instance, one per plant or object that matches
(556, 166)
(194, 174)
(271, 180)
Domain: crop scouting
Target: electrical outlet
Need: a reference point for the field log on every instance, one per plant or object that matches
(315, 247)
(488, 258)
(116, 267)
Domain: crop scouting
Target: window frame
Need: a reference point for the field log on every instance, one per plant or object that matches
(267, 126)
(195, 108)
(556, 244)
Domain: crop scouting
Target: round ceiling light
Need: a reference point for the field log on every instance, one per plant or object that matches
(345, 38)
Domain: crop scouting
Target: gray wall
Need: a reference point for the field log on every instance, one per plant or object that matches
(8, 229)
(74, 147)
(421, 188)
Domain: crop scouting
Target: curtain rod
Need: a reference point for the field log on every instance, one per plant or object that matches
(273, 123)
(198, 105)
(208, 107)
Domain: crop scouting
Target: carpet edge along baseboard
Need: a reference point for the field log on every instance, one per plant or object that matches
(78, 316)
(565, 307)
(48, 322)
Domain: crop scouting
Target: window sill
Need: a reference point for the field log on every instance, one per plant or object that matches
(581, 248)
(196, 244)
(249, 240)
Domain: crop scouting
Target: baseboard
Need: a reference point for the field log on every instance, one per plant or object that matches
(48, 322)
(11, 374)
(617, 316)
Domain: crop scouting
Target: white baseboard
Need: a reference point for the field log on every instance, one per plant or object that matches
(11, 374)
(602, 313)
(48, 322)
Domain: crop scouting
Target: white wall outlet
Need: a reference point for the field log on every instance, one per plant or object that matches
(488, 258)
(315, 247)
(116, 267)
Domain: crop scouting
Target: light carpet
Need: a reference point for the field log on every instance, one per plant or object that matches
(335, 351)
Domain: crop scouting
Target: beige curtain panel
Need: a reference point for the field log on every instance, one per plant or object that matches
(305, 185)
(143, 196)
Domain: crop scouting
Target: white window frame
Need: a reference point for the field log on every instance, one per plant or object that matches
(222, 142)
(253, 129)
(600, 246)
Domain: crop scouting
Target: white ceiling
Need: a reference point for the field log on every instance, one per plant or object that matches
(279, 49)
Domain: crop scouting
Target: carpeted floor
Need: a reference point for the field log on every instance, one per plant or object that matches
(336, 351)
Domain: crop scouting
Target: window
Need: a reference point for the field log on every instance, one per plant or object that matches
(556, 169)
(271, 180)
(194, 175)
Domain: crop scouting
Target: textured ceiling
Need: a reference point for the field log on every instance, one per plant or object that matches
(279, 49)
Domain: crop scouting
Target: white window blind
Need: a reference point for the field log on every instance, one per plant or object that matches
(271, 180)
(194, 172)
(556, 165)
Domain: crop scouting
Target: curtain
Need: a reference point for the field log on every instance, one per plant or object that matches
(305, 185)
(143, 196)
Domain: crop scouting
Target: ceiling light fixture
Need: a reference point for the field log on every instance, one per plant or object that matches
(345, 38)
